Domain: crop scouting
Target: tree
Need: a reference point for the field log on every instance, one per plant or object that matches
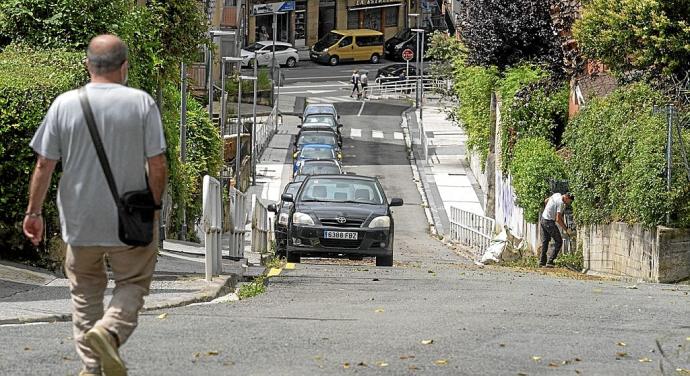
(504, 32)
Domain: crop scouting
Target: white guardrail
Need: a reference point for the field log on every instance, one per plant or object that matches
(408, 87)
(261, 227)
(265, 131)
(212, 224)
(471, 230)
(238, 219)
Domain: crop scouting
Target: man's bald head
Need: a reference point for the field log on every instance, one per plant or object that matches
(106, 54)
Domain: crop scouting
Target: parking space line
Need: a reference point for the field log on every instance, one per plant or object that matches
(398, 135)
(376, 134)
(354, 132)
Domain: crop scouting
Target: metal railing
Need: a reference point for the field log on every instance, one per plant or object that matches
(237, 209)
(265, 130)
(261, 227)
(212, 225)
(407, 87)
(471, 230)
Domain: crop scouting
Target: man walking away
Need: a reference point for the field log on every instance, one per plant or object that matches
(553, 216)
(129, 125)
(365, 83)
(354, 80)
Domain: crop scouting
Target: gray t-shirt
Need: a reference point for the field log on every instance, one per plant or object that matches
(129, 124)
(553, 206)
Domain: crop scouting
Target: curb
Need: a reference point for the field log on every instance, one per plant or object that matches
(218, 286)
(415, 171)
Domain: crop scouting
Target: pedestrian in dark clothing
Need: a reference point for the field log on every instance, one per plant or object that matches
(550, 220)
(354, 80)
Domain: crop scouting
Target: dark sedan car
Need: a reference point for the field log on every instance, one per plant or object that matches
(282, 211)
(393, 72)
(341, 216)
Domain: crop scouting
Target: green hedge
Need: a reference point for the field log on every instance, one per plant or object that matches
(617, 167)
(534, 164)
(474, 86)
(29, 82)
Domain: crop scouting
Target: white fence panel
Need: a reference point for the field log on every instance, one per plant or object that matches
(261, 227)
(238, 210)
(471, 230)
(212, 225)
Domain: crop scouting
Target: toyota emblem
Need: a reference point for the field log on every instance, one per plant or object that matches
(341, 220)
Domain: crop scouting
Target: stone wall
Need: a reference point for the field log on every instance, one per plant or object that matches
(654, 255)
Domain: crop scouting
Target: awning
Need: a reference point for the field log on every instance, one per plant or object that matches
(375, 6)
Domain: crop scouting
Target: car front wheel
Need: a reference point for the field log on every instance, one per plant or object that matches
(291, 62)
(375, 59)
(333, 60)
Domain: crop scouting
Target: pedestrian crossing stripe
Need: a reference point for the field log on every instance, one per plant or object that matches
(357, 133)
(376, 134)
(398, 135)
(354, 132)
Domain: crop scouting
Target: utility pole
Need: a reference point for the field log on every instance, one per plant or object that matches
(183, 136)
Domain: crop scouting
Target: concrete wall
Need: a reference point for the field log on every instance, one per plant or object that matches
(654, 255)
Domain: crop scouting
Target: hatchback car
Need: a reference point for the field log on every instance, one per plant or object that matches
(282, 210)
(263, 53)
(313, 151)
(318, 167)
(393, 72)
(341, 216)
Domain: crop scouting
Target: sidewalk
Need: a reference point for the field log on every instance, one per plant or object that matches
(445, 175)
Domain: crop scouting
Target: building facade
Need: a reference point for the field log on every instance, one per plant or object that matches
(303, 22)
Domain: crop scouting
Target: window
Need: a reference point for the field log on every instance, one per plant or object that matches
(230, 3)
(353, 20)
(391, 16)
(371, 40)
(280, 48)
(345, 42)
(372, 19)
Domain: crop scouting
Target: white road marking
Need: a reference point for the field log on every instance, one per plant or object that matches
(354, 132)
(398, 135)
(376, 134)
(360, 109)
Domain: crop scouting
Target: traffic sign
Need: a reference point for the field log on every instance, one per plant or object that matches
(407, 54)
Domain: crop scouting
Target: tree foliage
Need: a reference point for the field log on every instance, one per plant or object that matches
(446, 52)
(637, 34)
(505, 32)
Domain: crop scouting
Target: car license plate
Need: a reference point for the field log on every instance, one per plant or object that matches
(340, 235)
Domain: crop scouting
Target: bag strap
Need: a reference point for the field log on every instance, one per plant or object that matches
(88, 115)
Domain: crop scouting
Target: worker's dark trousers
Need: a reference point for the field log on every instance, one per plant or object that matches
(549, 230)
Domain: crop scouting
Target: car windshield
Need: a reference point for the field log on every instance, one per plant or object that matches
(328, 40)
(254, 47)
(342, 190)
(316, 138)
(319, 110)
(403, 34)
(317, 152)
(328, 119)
(319, 169)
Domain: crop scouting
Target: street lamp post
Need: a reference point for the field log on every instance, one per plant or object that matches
(238, 145)
(273, 60)
(214, 34)
(253, 136)
(419, 96)
(183, 136)
(223, 101)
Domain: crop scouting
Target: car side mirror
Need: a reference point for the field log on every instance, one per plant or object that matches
(300, 117)
(338, 117)
(299, 125)
(287, 197)
(271, 208)
(396, 202)
(340, 144)
(340, 125)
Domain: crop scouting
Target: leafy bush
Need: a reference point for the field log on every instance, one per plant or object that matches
(263, 83)
(446, 51)
(59, 24)
(474, 86)
(633, 34)
(505, 32)
(617, 166)
(29, 82)
(535, 163)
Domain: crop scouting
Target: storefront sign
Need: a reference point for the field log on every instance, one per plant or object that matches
(270, 8)
(359, 3)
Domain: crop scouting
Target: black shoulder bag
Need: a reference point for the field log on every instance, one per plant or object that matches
(135, 209)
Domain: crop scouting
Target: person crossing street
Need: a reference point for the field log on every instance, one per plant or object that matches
(354, 80)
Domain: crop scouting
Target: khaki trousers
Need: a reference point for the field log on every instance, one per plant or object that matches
(132, 269)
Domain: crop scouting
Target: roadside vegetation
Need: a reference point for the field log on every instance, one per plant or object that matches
(252, 289)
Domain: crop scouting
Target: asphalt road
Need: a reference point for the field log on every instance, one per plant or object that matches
(432, 313)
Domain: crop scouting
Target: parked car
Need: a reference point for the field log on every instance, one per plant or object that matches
(282, 211)
(392, 72)
(404, 39)
(341, 216)
(313, 151)
(320, 108)
(318, 167)
(309, 137)
(348, 45)
(263, 52)
(325, 127)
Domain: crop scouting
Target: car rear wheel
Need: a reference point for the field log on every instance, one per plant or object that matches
(293, 257)
(333, 60)
(375, 59)
(291, 62)
(384, 260)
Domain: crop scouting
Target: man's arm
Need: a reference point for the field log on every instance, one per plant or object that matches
(559, 220)
(158, 176)
(40, 181)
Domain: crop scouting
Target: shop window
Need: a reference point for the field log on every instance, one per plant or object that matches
(353, 20)
(372, 19)
(391, 16)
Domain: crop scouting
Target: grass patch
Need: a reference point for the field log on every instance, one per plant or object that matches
(256, 287)
(275, 262)
(524, 262)
(573, 261)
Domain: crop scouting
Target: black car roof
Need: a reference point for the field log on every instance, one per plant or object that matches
(344, 177)
(320, 161)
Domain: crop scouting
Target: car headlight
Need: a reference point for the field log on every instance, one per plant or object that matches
(380, 222)
(283, 219)
(302, 219)
(325, 51)
(340, 156)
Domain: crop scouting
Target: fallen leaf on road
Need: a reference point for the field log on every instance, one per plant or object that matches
(501, 345)
(633, 287)
(430, 271)
(522, 374)
(553, 365)
(683, 371)
(645, 360)
(412, 368)
(382, 364)
(427, 341)
(362, 364)
(621, 355)
(317, 358)
(197, 354)
(441, 362)
(597, 291)
(405, 357)
(687, 339)
(621, 344)
(380, 310)
(566, 362)
(375, 279)
(27, 349)
(346, 365)
(578, 359)
(163, 316)
(212, 353)
(536, 358)
(577, 371)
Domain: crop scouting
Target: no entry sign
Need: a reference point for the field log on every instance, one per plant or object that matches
(407, 54)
